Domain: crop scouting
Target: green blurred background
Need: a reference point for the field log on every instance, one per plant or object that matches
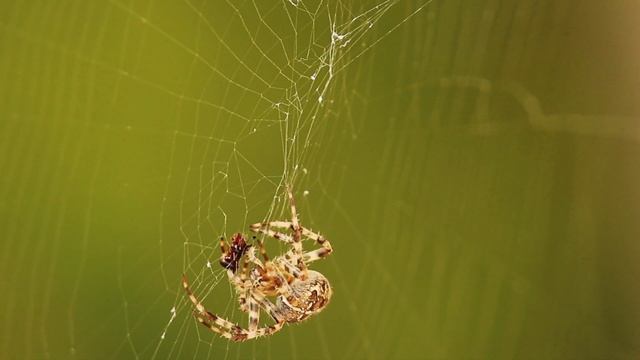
(474, 163)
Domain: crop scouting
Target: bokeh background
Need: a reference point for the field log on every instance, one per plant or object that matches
(474, 163)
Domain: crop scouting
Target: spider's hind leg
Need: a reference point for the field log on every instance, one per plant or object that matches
(263, 228)
(317, 254)
(295, 223)
(231, 331)
(201, 313)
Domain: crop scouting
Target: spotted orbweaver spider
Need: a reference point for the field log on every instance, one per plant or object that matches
(299, 292)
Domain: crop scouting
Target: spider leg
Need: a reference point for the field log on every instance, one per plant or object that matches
(263, 251)
(201, 313)
(212, 321)
(268, 307)
(254, 316)
(276, 224)
(239, 334)
(264, 229)
(290, 261)
(241, 285)
(251, 256)
(294, 225)
(314, 255)
(295, 257)
(223, 327)
(292, 203)
(313, 236)
(229, 330)
(317, 254)
(194, 300)
(288, 239)
(229, 333)
(292, 255)
(310, 256)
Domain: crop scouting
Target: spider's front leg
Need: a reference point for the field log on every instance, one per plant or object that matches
(317, 254)
(310, 256)
(293, 225)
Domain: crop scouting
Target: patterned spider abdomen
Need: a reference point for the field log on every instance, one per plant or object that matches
(305, 298)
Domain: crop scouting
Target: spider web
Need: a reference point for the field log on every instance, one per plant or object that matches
(301, 48)
(270, 117)
(232, 101)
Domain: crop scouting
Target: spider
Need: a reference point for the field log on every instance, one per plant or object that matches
(298, 291)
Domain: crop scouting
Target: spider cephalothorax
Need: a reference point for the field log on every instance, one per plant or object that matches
(299, 292)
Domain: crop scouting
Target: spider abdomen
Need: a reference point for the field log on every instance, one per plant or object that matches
(305, 297)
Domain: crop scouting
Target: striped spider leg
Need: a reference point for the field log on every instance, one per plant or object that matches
(232, 331)
(296, 254)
